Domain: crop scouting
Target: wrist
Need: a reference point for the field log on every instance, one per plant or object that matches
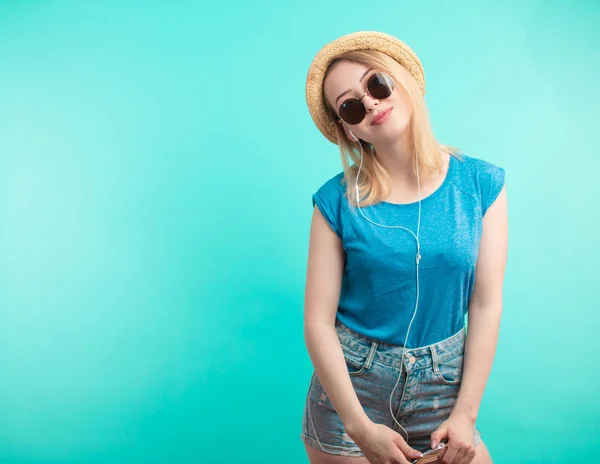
(357, 425)
(467, 414)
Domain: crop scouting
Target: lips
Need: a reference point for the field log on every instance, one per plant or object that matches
(381, 117)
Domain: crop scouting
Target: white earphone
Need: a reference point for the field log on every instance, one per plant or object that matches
(417, 259)
(352, 135)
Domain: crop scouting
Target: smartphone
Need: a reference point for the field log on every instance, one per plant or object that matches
(432, 455)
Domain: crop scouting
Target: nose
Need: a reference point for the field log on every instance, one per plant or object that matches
(369, 102)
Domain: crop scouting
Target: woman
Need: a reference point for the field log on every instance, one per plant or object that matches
(406, 241)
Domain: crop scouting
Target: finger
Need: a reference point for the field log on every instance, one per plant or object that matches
(460, 457)
(438, 436)
(411, 453)
(404, 447)
(469, 455)
(449, 455)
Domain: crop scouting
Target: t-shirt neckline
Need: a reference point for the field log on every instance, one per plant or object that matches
(434, 194)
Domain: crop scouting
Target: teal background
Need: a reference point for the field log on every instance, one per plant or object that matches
(157, 162)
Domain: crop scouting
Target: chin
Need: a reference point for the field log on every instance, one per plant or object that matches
(392, 130)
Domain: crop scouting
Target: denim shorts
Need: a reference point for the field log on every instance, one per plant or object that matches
(423, 398)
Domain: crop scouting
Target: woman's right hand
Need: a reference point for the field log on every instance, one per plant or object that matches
(382, 445)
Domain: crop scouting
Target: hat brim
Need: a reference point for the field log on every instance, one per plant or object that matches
(362, 40)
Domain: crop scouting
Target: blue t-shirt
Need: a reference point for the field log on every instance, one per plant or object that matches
(378, 292)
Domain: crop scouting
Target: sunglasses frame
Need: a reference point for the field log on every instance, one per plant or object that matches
(385, 73)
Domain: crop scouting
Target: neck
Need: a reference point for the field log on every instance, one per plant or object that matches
(398, 158)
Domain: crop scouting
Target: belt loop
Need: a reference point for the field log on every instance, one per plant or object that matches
(371, 355)
(434, 359)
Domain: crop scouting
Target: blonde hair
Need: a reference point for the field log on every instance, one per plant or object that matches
(374, 184)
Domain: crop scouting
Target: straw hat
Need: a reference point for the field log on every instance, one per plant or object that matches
(371, 40)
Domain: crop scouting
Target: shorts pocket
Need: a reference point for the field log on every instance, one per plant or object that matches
(355, 362)
(450, 371)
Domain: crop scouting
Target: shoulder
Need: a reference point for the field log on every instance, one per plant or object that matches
(476, 167)
(479, 178)
(333, 186)
(329, 198)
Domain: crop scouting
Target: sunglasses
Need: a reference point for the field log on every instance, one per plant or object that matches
(379, 86)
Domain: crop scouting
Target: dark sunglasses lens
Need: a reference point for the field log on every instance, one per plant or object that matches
(380, 86)
(352, 111)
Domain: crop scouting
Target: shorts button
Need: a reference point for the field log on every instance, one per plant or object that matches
(412, 360)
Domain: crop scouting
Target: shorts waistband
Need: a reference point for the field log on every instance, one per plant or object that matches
(414, 358)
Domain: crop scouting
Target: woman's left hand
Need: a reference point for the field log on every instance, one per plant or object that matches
(457, 430)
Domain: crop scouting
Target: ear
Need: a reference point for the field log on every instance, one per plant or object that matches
(351, 135)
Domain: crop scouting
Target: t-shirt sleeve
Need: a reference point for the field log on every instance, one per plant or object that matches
(328, 199)
(491, 185)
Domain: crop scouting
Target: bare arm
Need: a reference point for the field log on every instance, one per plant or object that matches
(323, 285)
(485, 308)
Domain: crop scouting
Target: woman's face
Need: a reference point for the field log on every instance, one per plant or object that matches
(349, 80)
